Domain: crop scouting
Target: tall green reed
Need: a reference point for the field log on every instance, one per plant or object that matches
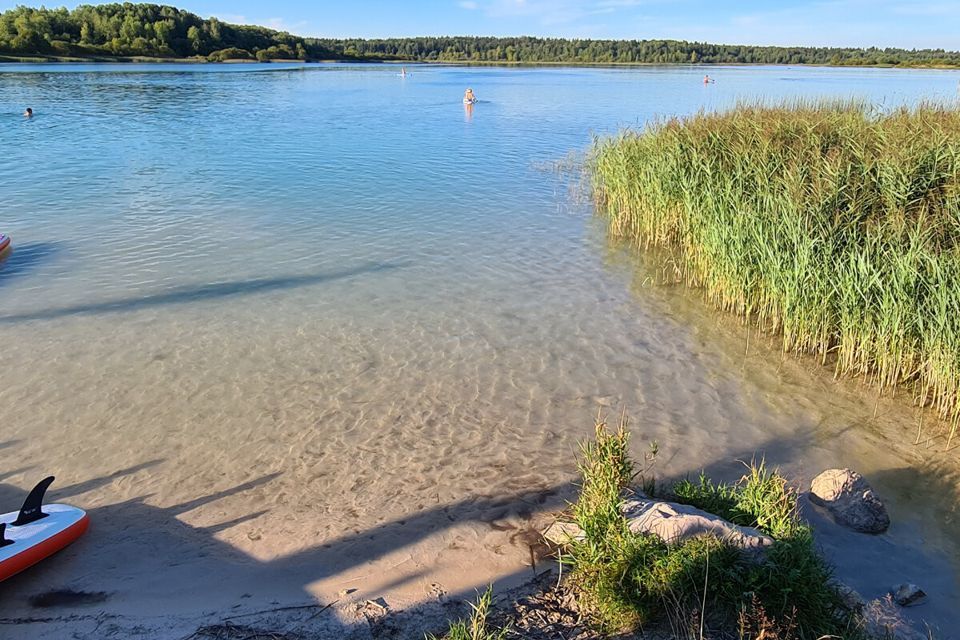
(833, 224)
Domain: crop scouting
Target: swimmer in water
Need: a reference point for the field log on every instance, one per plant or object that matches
(708, 80)
(469, 97)
(28, 113)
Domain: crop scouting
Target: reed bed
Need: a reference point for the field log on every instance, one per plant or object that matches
(832, 224)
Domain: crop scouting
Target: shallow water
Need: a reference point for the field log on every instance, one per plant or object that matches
(373, 303)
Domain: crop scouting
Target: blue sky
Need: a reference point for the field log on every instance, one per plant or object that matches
(900, 23)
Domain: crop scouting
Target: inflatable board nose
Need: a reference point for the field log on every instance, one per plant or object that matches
(37, 532)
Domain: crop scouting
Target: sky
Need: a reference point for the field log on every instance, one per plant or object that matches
(885, 23)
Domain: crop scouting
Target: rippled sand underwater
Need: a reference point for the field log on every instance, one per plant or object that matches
(301, 328)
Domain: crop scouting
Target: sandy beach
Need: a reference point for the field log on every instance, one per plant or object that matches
(177, 544)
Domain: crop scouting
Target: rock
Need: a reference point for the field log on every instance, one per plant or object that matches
(563, 533)
(671, 522)
(373, 610)
(852, 599)
(437, 591)
(850, 500)
(907, 595)
(674, 523)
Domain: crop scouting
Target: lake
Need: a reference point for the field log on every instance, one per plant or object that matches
(308, 323)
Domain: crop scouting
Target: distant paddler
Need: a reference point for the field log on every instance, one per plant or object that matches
(708, 80)
(403, 72)
(469, 97)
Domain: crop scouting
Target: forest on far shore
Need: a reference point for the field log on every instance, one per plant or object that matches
(160, 31)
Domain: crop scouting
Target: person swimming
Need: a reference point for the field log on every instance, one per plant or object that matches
(28, 113)
(708, 80)
(469, 97)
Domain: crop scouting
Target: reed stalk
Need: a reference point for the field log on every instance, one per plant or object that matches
(832, 224)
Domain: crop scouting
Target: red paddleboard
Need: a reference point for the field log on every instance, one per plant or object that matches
(4, 243)
(37, 531)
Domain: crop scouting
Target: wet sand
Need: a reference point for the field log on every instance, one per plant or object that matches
(412, 456)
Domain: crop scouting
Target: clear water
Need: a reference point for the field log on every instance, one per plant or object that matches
(372, 300)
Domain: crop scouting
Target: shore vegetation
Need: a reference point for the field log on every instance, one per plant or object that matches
(143, 31)
(477, 626)
(629, 580)
(833, 225)
(584, 51)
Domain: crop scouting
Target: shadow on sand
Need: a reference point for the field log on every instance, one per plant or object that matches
(205, 292)
(135, 551)
(142, 569)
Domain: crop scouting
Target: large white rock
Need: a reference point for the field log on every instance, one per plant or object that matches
(850, 500)
(674, 523)
(671, 522)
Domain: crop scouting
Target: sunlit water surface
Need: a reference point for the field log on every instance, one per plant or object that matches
(371, 301)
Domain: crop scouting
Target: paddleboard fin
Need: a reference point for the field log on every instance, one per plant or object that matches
(3, 540)
(31, 511)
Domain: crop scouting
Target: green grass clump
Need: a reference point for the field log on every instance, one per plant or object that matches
(717, 498)
(628, 580)
(606, 469)
(832, 224)
(761, 499)
(475, 628)
(794, 582)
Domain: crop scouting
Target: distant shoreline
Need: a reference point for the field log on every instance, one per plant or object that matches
(13, 60)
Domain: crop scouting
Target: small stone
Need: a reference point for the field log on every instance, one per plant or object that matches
(373, 611)
(379, 606)
(850, 500)
(852, 600)
(908, 595)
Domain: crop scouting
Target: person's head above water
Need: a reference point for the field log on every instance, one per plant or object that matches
(28, 113)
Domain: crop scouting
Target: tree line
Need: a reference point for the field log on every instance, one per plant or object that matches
(123, 30)
(547, 50)
(127, 29)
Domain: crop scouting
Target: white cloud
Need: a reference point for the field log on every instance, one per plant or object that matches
(931, 9)
(895, 23)
(277, 24)
(552, 12)
(233, 18)
(281, 24)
